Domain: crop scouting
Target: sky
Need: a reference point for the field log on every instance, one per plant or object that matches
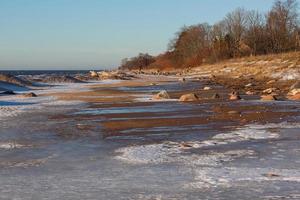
(95, 34)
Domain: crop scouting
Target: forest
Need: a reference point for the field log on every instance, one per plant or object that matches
(240, 33)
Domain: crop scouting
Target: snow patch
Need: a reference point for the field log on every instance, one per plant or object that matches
(148, 98)
(174, 151)
(287, 75)
(11, 145)
(13, 105)
(162, 153)
(232, 176)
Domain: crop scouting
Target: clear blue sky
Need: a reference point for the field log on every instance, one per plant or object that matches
(74, 34)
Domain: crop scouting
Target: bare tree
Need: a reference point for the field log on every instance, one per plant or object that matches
(255, 32)
(236, 26)
(240, 33)
(139, 62)
(282, 25)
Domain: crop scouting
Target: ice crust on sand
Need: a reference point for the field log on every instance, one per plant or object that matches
(232, 176)
(174, 151)
(14, 105)
(161, 153)
(10, 145)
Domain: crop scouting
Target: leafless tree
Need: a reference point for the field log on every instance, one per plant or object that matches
(282, 26)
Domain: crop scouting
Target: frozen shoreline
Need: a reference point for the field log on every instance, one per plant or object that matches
(13, 105)
(69, 156)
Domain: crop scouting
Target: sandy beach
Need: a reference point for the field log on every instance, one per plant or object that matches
(111, 139)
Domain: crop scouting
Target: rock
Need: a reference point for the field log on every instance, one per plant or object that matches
(115, 75)
(249, 85)
(9, 92)
(268, 98)
(189, 97)
(93, 74)
(234, 112)
(271, 175)
(161, 95)
(104, 74)
(295, 97)
(294, 92)
(182, 79)
(295, 86)
(207, 88)
(294, 89)
(7, 78)
(31, 94)
(61, 79)
(234, 96)
(250, 93)
(271, 82)
(270, 90)
(216, 96)
(185, 145)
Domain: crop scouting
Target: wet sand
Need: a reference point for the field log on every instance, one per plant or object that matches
(120, 144)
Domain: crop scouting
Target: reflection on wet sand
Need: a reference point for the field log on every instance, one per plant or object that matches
(117, 141)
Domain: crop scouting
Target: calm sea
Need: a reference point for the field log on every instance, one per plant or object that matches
(44, 72)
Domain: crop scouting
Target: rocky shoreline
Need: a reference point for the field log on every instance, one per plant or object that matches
(120, 135)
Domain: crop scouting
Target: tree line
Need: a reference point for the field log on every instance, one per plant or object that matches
(240, 33)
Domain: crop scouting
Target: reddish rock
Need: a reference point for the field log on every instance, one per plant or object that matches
(234, 96)
(216, 96)
(250, 93)
(268, 98)
(189, 97)
(161, 95)
(295, 97)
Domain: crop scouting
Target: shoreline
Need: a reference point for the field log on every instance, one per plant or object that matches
(117, 137)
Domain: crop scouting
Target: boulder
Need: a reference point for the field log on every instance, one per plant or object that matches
(234, 96)
(250, 93)
(268, 98)
(189, 97)
(270, 90)
(61, 79)
(216, 96)
(271, 82)
(295, 97)
(271, 175)
(7, 78)
(161, 95)
(93, 74)
(104, 74)
(234, 112)
(207, 88)
(249, 85)
(31, 94)
(182, 79)
(294, 89)
(294, 92)
(115, 75)
(295, 86)
(8, 92)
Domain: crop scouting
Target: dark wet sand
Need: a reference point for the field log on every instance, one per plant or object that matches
(118, 146)
(131, 114)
